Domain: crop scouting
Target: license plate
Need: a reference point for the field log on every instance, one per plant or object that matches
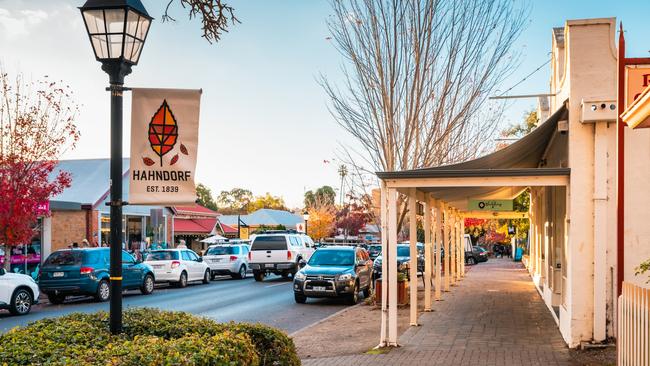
(269, 266)
(216, 260)
(158, 267)
(319, 288)
(58, 274)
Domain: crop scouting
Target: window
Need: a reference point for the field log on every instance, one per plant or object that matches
(332, 258)
(92, 257)
(193, 256)
(294, 241)
(222, 250)
(127, 258)
(244, 249)
(186, 255)
(162, 255)
(269, 243)
(64, 258)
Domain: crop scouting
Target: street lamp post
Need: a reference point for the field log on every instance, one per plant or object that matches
(305, 216)
(117, 30)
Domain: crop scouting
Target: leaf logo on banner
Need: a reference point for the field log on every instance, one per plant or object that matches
(163, 132)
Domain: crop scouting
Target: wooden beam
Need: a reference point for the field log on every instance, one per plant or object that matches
(413, 251)
(521, 181)
(495, 214)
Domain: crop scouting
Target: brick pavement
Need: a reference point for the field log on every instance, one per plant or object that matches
(494, 316)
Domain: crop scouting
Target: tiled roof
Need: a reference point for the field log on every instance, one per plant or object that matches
(194, 226)
(196, 210)
(265, 217)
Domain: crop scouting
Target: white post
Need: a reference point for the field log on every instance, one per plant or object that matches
(427, 254)
(453, 250)
(437, 240)
(460, 258)
(383, 339)
(391, 267)
(462, 241)
(445, 239)
(600, 234)
(413, 252)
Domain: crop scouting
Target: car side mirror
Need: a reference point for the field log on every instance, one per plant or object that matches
(302, 263)
(200, 259)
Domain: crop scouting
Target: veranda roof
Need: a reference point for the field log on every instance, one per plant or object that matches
(523, 158)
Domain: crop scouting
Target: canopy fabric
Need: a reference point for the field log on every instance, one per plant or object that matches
(524, 157)
(214, 239)
(194, 226)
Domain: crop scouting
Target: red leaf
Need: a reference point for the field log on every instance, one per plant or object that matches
(148, 162)
(174, 160)
(183, 149)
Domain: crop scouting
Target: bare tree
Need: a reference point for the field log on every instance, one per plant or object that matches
(216, 16)
(417, 77)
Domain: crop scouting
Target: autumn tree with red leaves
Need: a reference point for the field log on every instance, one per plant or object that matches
(36, 128)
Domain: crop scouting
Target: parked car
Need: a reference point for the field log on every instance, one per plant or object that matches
(333, 272)
(478, 255)
(374, 251)
(178, 266)
(18, 292)
(86, 272)
(227, 259)
(278, 253)
(403, 260)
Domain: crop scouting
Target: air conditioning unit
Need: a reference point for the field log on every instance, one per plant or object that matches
(598, 111)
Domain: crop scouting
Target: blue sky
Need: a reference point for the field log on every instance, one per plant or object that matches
(264, 119)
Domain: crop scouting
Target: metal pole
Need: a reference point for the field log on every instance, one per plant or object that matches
(306, 227)
(116, 70)
(620, 171)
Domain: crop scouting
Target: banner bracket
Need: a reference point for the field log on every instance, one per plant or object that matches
(118, 88)
(117, 203)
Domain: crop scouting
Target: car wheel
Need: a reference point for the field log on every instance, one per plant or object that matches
(147, 285)
(206, 277)
(471, 260)
(212, 276)
(354, 296)
(242, 272)
(21, 302)
(259, 276)
(103, 291)
(56, 299)
(182, 280)
(300, 299)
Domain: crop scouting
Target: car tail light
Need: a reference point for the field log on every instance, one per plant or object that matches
(288, 255)
(250, 257)
(233, 258)
(175, 264)
(85, 270)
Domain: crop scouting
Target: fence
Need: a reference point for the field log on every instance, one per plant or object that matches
(633, 326)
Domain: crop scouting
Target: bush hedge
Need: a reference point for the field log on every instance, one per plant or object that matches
(151, 337)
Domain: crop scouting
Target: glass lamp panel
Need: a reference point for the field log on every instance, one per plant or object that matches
(137, 48)
(94, 21)
(100, 46)
(115, 20)
(115, 45)
(129, 47)
(143, 27)
(131, 22)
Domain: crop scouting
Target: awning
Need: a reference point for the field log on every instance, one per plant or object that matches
(523, 158)
(194, 226)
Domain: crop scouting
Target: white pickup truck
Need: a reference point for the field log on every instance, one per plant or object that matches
(279, 253)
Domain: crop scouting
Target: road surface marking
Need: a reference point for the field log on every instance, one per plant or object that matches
(277, 284)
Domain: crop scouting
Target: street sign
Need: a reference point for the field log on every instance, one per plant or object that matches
(490, 205)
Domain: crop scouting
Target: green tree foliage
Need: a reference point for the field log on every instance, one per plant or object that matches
(324, 196)
(205, 198)
(267, 201)
(235, 201)
(524, 128)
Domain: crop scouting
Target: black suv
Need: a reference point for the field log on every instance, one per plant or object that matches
(333, 272)
(403, 260)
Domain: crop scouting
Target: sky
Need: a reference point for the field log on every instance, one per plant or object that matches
(264, 122)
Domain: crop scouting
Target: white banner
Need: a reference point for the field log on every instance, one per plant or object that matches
(164, 144)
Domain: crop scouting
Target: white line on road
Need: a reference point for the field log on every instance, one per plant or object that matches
(277, 284)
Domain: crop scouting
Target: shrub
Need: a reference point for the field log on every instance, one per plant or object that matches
(151, 337)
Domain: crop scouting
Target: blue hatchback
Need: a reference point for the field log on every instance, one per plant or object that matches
(86, 272)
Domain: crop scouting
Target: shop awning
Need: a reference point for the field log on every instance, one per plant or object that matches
(194, 226)
(503, 174)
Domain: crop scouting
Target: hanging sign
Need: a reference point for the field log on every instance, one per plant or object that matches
(638, 78)
(164, 145)
(490, 205)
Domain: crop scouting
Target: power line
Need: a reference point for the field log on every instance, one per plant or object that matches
(526, 77)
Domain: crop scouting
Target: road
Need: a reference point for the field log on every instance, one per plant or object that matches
(270, 302)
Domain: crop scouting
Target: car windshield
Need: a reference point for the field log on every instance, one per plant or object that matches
(403, 251)
(375, 247)
(332, 258)
(480, 249)
(64, 258)
(222, 250)
(162, 255)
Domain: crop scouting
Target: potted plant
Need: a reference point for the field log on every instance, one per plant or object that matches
(402, 292)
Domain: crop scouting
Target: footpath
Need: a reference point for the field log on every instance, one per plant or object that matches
(494, 316)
